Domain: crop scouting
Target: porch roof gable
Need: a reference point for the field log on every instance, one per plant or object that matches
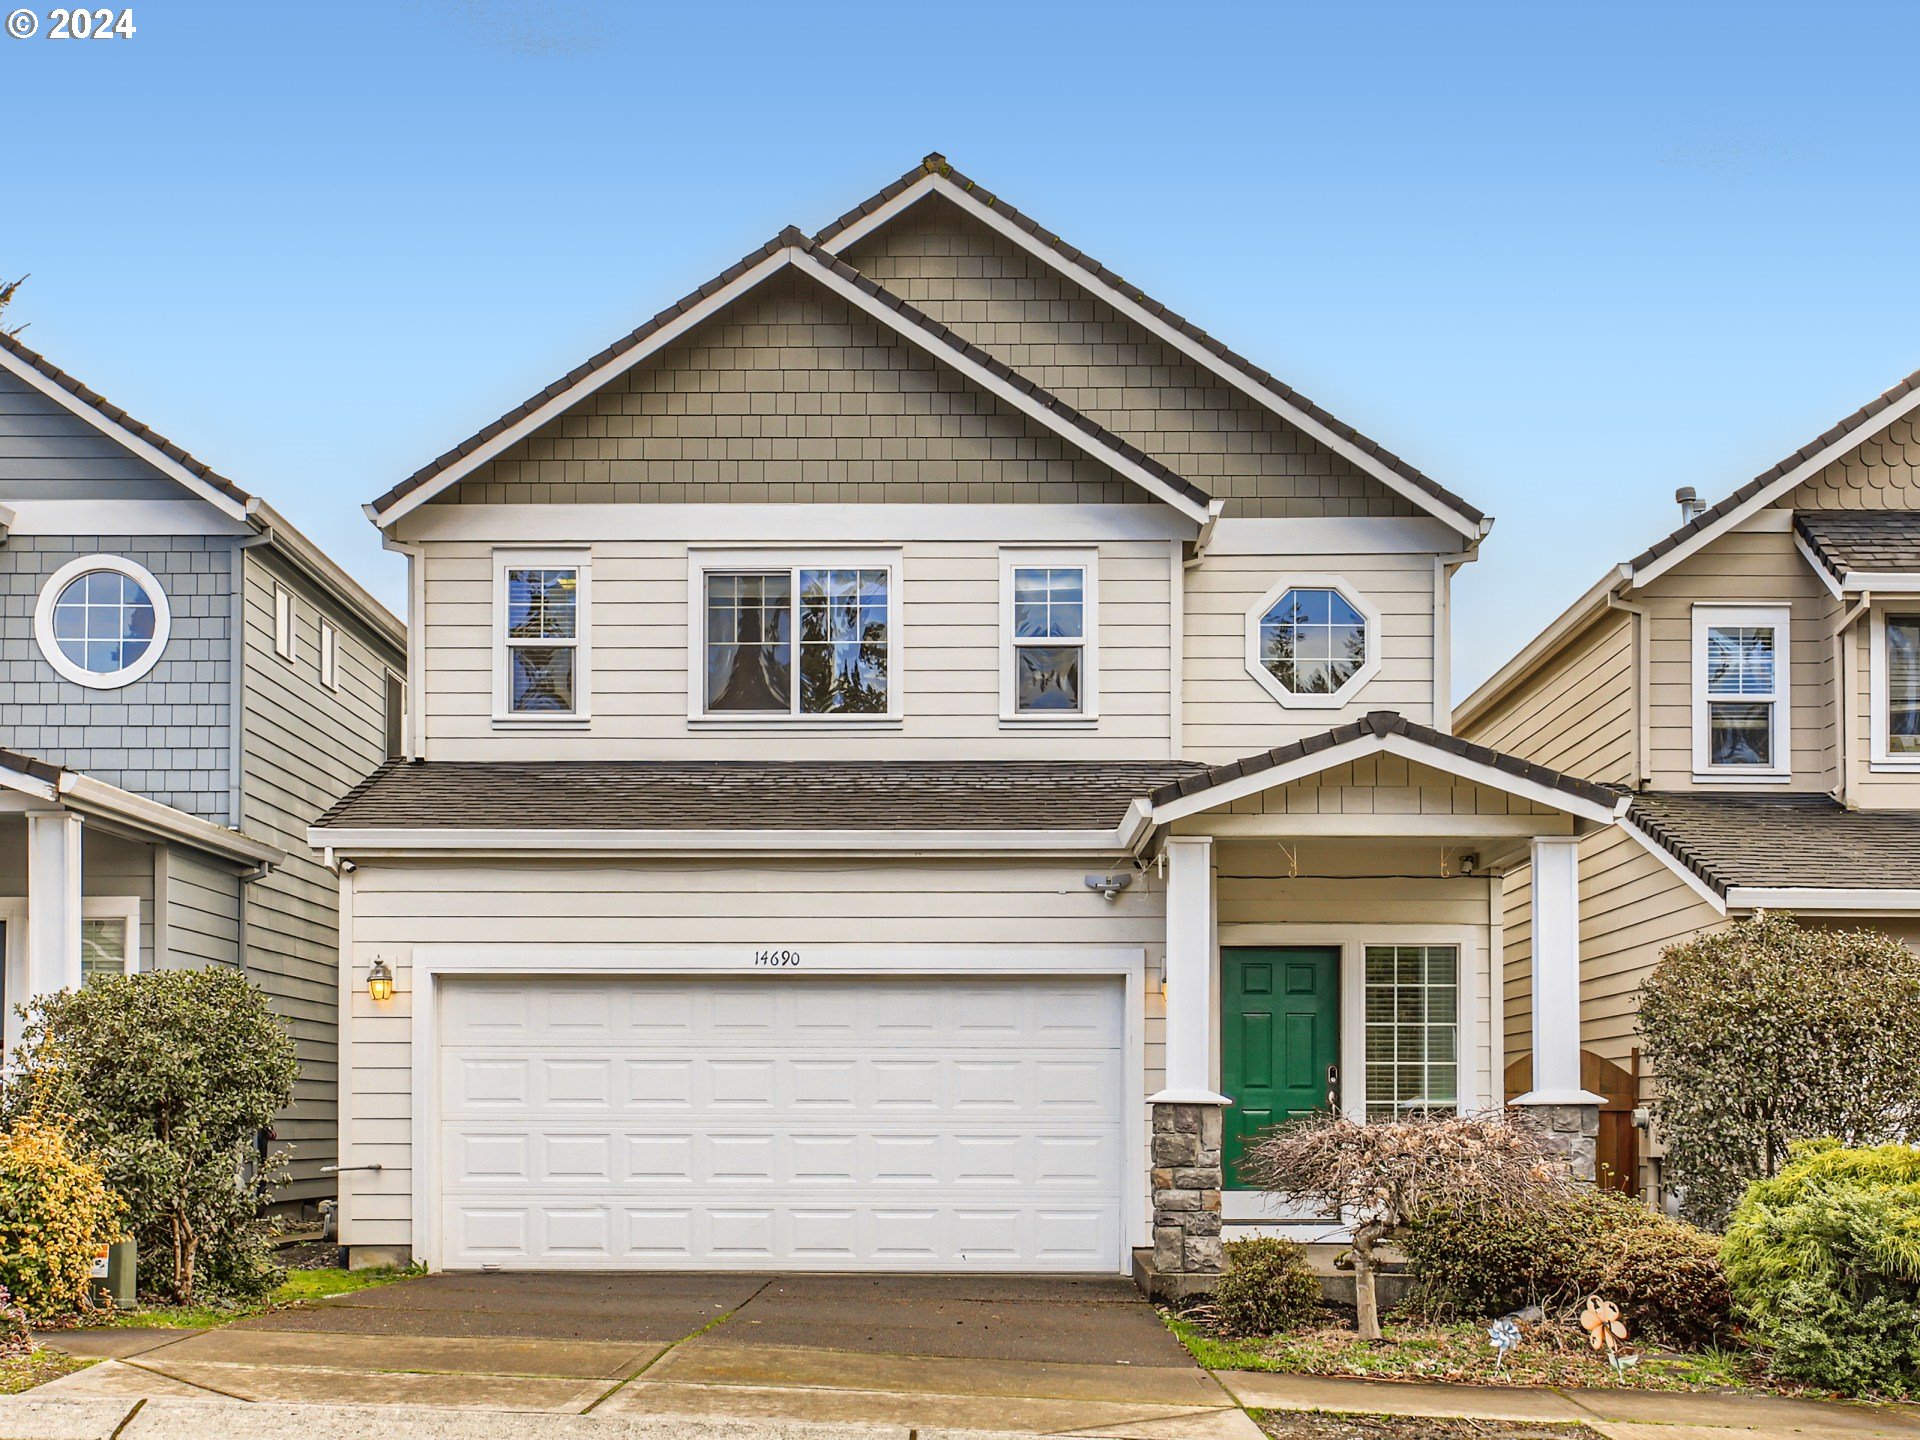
(1383, 731)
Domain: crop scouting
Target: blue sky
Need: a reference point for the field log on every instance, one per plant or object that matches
(1563, 257)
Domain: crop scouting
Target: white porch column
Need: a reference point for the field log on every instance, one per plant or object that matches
(53, 907)
(1189, 974)
(1556, 974)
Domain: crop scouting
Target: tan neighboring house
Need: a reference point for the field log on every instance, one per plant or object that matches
(1752, 680)
(904, 741)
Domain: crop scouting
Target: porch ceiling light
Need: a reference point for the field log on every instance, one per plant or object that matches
(380, 981)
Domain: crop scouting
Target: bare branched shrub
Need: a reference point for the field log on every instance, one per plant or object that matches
(1384, 1174)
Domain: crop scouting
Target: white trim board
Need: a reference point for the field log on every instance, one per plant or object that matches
(801, 523)
(790, 256)
(429, 964)
(120, 517)
(732, 842)
(1131, 307)
(1860, 902)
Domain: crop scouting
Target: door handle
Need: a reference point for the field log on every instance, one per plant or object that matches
(1333, 1088)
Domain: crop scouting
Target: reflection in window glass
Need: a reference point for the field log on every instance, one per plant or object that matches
(1313, 641)
(103, 949)
(843, 642)
(749, 642)
(1903, 684)
(543, 616)
(103, 621)
(1740, 664)
(809, 641)
(1049, 638)
(1413, 1029)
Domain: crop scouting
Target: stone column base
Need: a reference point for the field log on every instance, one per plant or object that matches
(1187, 1257)
(1572, 1132)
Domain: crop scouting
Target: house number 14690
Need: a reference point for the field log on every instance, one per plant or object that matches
(784, 959)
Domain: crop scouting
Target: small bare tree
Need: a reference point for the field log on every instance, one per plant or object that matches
(1384, 1174)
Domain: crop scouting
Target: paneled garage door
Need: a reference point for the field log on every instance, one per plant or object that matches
(781, 1122)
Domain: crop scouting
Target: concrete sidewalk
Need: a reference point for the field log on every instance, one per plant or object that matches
(1622, 1414)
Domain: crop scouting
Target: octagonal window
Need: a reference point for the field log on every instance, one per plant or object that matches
(1312, 642)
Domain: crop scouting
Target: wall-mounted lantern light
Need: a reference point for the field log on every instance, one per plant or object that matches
(380, 981)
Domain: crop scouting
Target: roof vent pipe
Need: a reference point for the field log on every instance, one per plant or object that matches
(1691, 506)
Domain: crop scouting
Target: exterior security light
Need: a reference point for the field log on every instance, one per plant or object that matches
(380, 981)
(1109, 885)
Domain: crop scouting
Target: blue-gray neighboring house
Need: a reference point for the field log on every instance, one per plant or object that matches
(186, 683)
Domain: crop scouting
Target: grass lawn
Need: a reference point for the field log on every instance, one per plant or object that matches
(1460, 1354)
(299, 1287)
(23, 1372)
(1325, 1425)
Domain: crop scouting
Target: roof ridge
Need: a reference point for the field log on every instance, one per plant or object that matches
(937, 164)
(792, 237)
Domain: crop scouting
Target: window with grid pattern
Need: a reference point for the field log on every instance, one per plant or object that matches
(1413, 1029)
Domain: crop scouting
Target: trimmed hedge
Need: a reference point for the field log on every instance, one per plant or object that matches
(1824, 1259)
(55, 1213)
(1267, 1288)
(1665, 1275)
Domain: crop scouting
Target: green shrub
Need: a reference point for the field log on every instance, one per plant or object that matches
(55, 1213)
(169, 1076)
(1769, 1032)
(1267, 1288)
(1665, 1276)
(1824, 1260)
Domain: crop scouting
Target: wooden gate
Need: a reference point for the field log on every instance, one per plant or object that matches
(1618, 1156)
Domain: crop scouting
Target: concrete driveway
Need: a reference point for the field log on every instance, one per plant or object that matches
(1061, 1355)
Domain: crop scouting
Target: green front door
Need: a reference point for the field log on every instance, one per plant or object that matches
(1279, 1040)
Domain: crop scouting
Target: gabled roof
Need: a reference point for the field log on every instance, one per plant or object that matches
(1758, 493)
(1781, 842)
(790, 248)
(1377, 731)
(1862, 424)
(935, 175)
(145, 441)
(1851, 545)
(198, 478)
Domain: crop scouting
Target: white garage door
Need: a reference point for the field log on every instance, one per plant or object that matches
(781, 1122)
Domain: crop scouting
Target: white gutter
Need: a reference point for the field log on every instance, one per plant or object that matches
(1872, 902)
(87, 795)
(731, 842)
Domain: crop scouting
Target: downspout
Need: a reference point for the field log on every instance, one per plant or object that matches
(1642, 701)
(1444, 570)
(236, 735)
(414, 741)
(1843, 732)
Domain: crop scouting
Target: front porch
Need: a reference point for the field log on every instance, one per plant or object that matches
(95, 880)
(1334, 938)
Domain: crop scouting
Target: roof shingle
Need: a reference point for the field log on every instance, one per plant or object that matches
(1796, 841)
(1874, 541)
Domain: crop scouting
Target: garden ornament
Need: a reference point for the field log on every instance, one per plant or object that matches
(1605, 1329)
(1504, 1335)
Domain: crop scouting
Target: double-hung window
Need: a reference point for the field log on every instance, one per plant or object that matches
(1741, 690)
(542, 665)
(109, 937)
(1895, 677)
(795, 637)
(1049, 635)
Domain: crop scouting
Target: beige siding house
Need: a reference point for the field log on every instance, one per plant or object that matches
(1752, 681)
(918, 752)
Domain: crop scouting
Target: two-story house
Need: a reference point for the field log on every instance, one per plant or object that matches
(917, 752)
(186, 682)
(1752, 680)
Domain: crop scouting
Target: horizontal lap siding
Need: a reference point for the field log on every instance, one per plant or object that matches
(305, 746)
(203, 911)
(771, 903)
(1576, 714)
(947, 642)
(1227, 713)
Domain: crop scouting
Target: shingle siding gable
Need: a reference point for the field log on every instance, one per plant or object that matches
(790, 396)
(1032, 318)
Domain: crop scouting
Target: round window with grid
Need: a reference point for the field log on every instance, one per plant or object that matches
(102, 621)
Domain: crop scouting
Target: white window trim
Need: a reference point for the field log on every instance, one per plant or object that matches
(117, 907)
(700, 562)
(1087, 561)
(1780, 618)
(1369, 668)
(579, 560)
(1878, 678)
(286, 624)
(79, 674)
(329, 654)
